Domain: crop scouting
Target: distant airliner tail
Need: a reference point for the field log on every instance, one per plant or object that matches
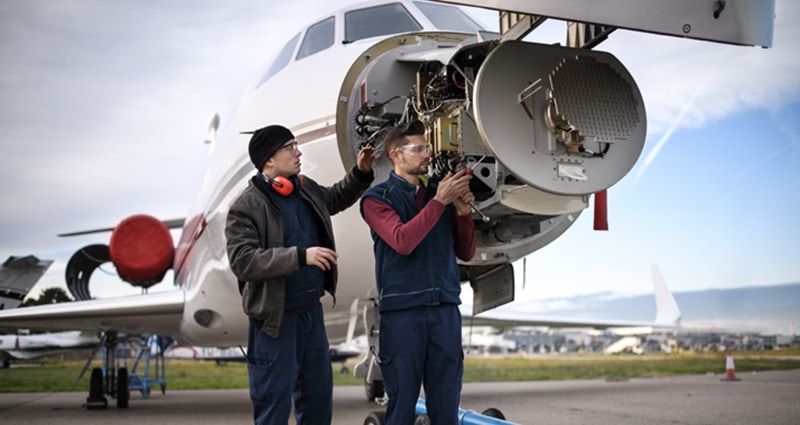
(667, 311)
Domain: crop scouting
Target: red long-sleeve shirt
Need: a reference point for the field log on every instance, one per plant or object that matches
(404, 237)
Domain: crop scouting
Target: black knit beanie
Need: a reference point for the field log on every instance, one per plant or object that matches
(265, 142)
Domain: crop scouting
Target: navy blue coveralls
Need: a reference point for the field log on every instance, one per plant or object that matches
(420, 323)
(295, 366)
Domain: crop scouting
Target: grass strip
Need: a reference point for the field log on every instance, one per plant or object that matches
(192, 374)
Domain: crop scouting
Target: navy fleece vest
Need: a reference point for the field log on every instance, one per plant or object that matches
(429, 275)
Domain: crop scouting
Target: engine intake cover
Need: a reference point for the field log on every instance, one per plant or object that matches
(142, 250)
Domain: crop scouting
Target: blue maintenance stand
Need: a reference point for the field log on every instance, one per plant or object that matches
(151, 358)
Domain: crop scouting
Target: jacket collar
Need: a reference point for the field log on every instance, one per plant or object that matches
(405, 185)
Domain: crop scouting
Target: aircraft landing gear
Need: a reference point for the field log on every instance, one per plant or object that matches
(368, 367)
(103, 382)
(96, 400)
(374, 390)
(375, 418)
(123, 390)
(115, 380)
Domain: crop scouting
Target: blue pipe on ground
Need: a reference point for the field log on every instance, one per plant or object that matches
(466, 417)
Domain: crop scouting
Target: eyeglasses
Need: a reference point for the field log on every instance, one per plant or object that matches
(418, 149)
(292, 146)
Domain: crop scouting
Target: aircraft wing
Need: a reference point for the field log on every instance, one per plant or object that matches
(504, 319)
(740, 22)
(136, 314)
(668, 314)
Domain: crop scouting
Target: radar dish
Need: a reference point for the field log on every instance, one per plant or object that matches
(566, 121)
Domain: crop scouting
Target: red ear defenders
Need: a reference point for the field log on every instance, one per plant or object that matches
(285, 185)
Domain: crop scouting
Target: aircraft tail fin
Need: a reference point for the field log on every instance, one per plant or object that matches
(667, 311)
(17, 276)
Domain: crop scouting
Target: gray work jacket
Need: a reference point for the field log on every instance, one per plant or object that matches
(254, 234)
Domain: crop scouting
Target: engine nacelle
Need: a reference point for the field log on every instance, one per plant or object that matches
(141, 249)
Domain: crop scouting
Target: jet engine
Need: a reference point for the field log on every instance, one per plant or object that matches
(141, 249)
(542, 127)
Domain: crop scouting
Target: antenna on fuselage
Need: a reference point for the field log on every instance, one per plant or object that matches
(213, 125)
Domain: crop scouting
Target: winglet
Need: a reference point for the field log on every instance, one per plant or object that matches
(667, 311)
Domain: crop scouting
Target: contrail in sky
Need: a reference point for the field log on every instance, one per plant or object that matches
(651, 156)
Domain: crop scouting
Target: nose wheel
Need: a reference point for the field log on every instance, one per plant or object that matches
(375, 418)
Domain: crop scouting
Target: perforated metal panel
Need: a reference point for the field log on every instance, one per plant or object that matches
(593, 98)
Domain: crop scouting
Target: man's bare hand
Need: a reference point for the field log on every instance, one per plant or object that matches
(322, 257)
(452, 187)
(366, 156)
(462, 203)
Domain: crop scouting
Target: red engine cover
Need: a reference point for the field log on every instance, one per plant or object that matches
(141, 249)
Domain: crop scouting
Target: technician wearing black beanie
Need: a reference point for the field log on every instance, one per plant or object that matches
(265, 142)
(281, 249)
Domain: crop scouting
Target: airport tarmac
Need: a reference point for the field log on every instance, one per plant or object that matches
(758, 398)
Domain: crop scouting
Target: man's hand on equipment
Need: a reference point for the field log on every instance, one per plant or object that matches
(462, 203)
(366, 156)
(452, 187)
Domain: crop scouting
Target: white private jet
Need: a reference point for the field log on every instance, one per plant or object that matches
(543, 127)
(26, 347)
(340, 353)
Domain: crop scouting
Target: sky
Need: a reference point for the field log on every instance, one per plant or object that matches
(104, 109)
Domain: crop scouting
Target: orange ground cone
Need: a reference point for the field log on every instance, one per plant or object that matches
(730, 373)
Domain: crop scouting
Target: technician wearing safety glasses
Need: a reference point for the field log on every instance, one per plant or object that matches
(419, 227)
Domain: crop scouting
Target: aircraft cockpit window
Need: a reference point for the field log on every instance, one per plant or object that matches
(448, 18)
(318, 38)
(281, 60)
(379, 20)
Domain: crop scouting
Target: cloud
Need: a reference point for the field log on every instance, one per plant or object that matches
(104, 107)
(689, 83)
(651, 156)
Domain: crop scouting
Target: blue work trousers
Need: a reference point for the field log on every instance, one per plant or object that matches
(422, 346)
(295, 366)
